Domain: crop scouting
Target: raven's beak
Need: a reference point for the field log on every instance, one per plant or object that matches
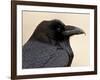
(72, 30)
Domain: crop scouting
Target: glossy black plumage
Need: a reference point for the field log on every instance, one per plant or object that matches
(49, 45)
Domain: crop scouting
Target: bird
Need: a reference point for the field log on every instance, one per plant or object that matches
(49, 45)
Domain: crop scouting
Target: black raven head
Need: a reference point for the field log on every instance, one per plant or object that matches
(55, 30)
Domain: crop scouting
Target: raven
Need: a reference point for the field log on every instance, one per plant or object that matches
(49, 45)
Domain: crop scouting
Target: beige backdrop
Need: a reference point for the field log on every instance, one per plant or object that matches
(79, 43)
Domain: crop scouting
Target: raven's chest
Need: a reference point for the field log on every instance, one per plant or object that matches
(37, 54)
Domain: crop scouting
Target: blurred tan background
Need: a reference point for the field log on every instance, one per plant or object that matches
(79, 43)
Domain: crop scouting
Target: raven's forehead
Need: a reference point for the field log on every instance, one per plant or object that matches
(57, 22)
(56, 25)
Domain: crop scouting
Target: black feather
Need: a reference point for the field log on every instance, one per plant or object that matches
(49, 45)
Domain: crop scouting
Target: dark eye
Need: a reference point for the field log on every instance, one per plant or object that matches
(58, 29)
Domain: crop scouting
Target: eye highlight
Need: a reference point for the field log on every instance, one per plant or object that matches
(58, 29)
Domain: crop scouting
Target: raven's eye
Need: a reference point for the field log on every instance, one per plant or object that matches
(58, 29)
